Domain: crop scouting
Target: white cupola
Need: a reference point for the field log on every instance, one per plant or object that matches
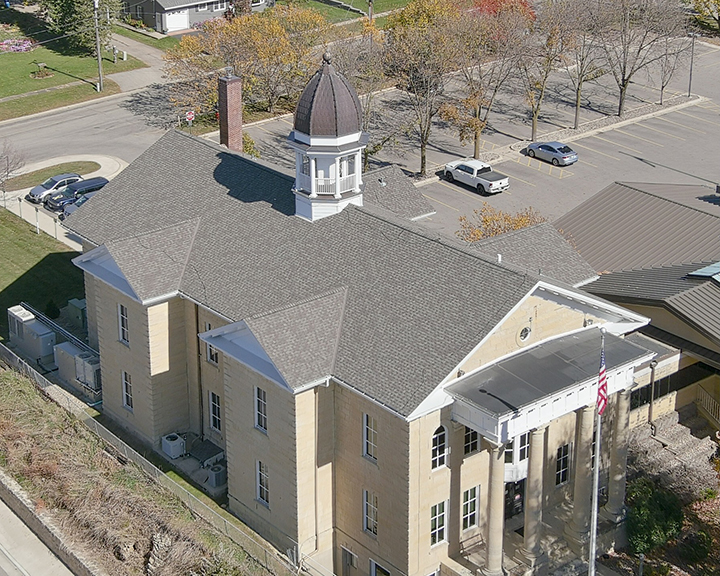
(328, 141)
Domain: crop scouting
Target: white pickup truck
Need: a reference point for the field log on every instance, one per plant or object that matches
(477, 174)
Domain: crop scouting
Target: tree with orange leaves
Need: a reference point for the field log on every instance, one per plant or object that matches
(488, 222)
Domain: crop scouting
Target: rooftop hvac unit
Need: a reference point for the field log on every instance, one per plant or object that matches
(218, 475)
(17, 318)
(87, 370)
(173, 445)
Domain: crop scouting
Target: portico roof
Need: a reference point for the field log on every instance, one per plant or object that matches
(543, 371)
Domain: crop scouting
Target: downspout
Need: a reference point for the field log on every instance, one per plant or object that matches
(199, 372)
(651, 411)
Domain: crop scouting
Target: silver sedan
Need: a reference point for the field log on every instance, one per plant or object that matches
(556, 152)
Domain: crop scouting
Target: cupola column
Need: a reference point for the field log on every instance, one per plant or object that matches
(313, 181)
(338, 183)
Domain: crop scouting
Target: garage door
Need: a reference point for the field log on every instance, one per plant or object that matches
(178, 20)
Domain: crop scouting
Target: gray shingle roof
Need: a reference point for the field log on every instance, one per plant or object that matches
(629, 225)
(542, 250)
(398, 195)
(302, 340)
(407, 323)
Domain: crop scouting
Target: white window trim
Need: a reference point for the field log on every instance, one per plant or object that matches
(569, 464)
(370, 513)
(369, 437)
(201, 7)
(467, 444)
(127, 391)
(213, 416)
(261, 472)
(211, 353)
(439, 460)
(219, 6)
(123, 327)
(262, 426)
(374, 568)
(474, 513)
(437, 517)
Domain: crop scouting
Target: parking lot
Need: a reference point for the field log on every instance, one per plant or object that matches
(677, 146)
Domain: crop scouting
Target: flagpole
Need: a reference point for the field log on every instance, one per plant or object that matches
(600, 408)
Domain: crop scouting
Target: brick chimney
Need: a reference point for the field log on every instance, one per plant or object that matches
(230, 109)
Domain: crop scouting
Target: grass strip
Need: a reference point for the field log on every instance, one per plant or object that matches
(35, 268)
(39, 176)
(159, 43)
(55, 99)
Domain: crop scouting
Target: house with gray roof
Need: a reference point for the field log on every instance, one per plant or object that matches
(383, 400)
(656, 249)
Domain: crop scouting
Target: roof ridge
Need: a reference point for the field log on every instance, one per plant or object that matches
(196, 219)
(297, 303)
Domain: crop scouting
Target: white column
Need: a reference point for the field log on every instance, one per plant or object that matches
(531, 552)
(496, 512)
(298, 169)
(337, 178)
(578, 529)
(313, 178)
(358, 170)
(615, 508)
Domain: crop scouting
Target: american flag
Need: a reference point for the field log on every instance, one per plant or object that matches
(602, 398)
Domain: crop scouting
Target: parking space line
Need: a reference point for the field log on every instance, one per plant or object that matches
(521, 180)
(638, 137)
(588, 163)
(458, 188)
(616, 143)
(698, 118)
(661, 131)
(443, 203)
(681, 125)
(576, 143)
(542, 167)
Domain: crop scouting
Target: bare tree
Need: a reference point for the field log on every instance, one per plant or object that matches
(491, 43)
(631, 32)
(544, 53)
(581, 46)
(419, 57)
(10, 162)
(673, 52)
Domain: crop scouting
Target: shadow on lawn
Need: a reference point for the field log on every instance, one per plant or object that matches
(33, 27)
(53, 277)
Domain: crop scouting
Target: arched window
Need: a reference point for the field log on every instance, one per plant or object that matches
(439, 448)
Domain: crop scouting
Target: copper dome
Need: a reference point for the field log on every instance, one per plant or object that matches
(329, 105)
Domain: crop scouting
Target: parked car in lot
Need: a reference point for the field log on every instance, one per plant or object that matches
(42, 191)
(72, 192)
(556, 152)
(477, 174)
(70, 208)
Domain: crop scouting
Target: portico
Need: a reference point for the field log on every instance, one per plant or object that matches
(518, 400)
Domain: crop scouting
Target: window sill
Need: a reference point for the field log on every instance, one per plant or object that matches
(263, 503)
(125, 343)
(261, 430)
(369, 534)
(370, 459)
(128, 408)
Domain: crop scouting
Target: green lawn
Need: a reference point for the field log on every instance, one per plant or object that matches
(39, 176)
(35, 268)
(54, 99)
(64, 62)
(160, 44)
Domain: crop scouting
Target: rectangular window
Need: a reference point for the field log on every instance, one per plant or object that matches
(349, 560)
(260, 409)
(215, 423)
(127, 391)
(471, 440)
(219, 6)
(370, 437)
(263, 490)
(437, 523)
(377, 570)
(524, 446)
(202, 7)
(592, 452)
(509, 452)
(370, 509)
(469, 510)
(306, 165)
(211, 353)
(123, 325)
(563, 465)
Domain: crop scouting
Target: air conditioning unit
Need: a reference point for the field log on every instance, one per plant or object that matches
(173, 445)
(87, 370)
(218, 475)
(17, 318)
(77, 312)
(38, 340)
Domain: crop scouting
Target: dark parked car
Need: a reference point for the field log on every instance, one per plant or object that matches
(556, 152)
(72, 192)
(42, 191)
(70, 208)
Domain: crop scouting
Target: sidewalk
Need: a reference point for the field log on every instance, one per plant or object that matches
(45, 221)
(141, 77)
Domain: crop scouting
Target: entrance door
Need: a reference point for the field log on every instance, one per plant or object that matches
(514, 498)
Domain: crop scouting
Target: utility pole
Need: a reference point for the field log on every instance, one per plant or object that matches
(97, 47)
(693, 35)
